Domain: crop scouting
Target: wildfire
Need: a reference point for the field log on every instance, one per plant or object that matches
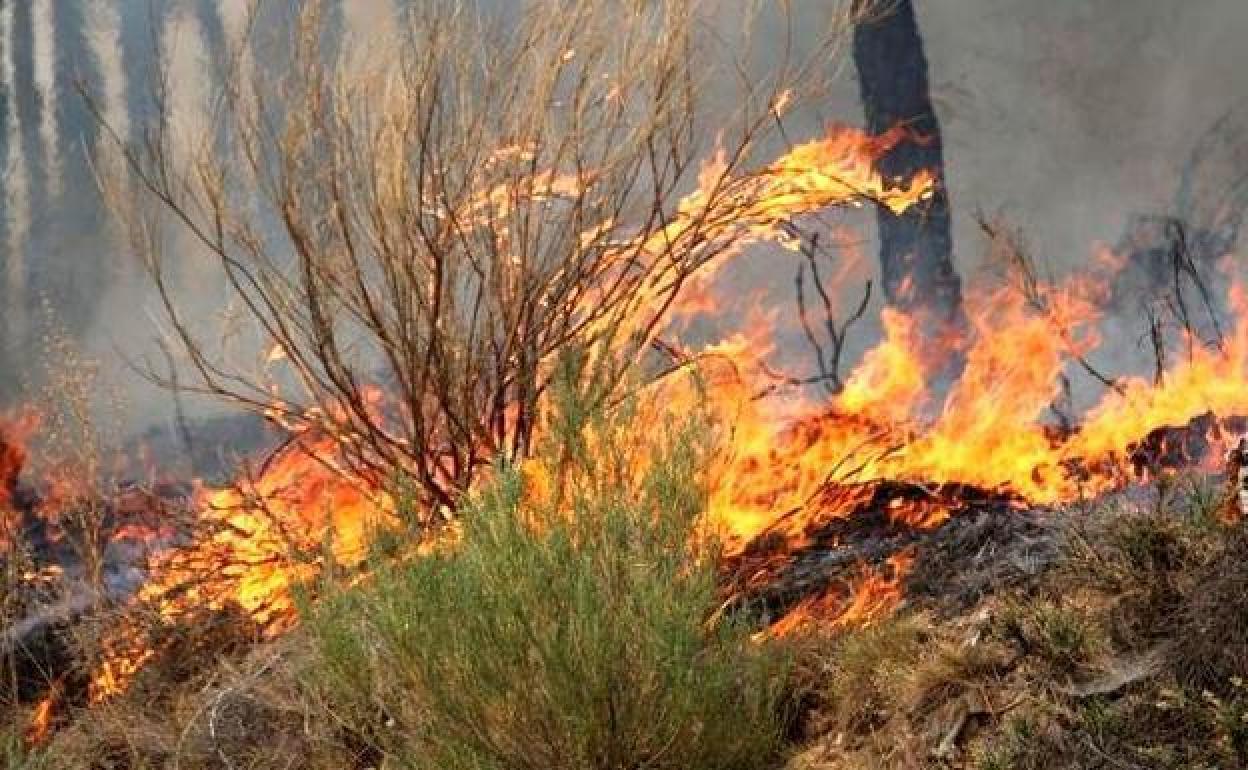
(40, 725)
(787, 462)
(990, 431)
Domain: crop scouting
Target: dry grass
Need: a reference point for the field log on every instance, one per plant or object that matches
(1129, 652)
(249, 711)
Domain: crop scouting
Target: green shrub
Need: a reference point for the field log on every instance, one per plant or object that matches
(15, 756)
(572, 626)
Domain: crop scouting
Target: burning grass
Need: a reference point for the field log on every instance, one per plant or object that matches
(450, 247)
(573, 606)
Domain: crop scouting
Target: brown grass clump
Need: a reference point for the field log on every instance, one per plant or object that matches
(254, 712)
(1131, 650)
(1213, 649)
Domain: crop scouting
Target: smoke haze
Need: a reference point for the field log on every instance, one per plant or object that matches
(1065, 117)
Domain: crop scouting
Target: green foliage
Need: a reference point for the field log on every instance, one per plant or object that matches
(15, 756)
(1062, 636)
(1016, 748)
(570, 628)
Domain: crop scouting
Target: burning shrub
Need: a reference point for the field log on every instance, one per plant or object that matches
(569, 629)
(435, 217)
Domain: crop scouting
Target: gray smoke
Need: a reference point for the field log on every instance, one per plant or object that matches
(1066, 117)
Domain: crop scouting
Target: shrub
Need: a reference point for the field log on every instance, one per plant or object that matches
(440, 209)
(16, 756)
(572, 626)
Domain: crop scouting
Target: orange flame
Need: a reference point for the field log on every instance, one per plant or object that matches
(40, 725)
(787, 462)
(875, 595)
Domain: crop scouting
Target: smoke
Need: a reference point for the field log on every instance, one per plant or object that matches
(43, 25)
(17, 184)
(104, 38)
(1065, 117)
(186, 58)
(1069, 117)
(369, 22)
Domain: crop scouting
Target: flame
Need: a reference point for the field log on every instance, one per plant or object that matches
(787, 463)
(727, 213)
(270, 533)
(40, 725)
(875, 595)
(123, 659)
(1209, 381)
(16, 430)
(990, 431)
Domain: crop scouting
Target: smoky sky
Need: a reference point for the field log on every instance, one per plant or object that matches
(1069, 116)
(1065, 117)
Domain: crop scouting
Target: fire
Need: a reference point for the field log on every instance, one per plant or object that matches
(990, 431)
(40, 725)
(270, 533)
(836, 170)
(307, 511)
(1209, 381)
(875, 595)
(16, 430)
(118, 669)
(787, 463)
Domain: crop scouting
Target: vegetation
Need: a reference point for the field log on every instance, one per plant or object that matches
(486, 221)
(1129, 652)
(441, 214)
(573, 627)
(15, 755)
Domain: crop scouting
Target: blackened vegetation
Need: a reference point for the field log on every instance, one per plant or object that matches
(989, 541)
(1167, 448)
(869, 523)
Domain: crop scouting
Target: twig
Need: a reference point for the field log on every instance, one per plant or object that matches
(1184, 264)
(838, 333)
(1030, 288)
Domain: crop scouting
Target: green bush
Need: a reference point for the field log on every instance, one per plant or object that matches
(573, 626)
(15, 756)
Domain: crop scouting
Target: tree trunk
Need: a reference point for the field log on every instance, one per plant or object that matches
(916, 248)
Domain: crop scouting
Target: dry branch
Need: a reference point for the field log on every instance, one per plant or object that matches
(439, 224)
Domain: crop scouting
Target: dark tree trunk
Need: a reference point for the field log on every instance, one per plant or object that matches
(916, 248)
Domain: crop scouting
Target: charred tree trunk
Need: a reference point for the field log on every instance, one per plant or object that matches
(916, 248)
